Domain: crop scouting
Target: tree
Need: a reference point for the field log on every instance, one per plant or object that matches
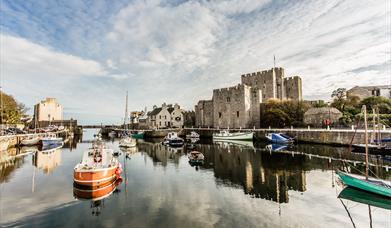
(276, 113)
(11, 110)
(384, 104)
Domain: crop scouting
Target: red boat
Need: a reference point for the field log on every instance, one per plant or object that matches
(98, 167)
(97, 192)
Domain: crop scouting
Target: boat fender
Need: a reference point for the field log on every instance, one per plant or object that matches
(118, 171)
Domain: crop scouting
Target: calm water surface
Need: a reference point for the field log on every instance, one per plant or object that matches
(238, 186)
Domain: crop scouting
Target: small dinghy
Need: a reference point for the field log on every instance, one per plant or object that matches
(279, 138)
(196, 158)
(193, 135)
(138, 135)
(127, 142)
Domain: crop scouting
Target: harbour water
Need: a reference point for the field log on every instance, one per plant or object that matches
(239, 185)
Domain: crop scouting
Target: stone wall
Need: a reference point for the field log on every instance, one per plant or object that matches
(235, 107)
(204, 113)
(269, 81)
(293, 88)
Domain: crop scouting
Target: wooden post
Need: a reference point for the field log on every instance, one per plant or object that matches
(366, 141)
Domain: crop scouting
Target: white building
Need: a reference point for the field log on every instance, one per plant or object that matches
(48, 110)
(166, 116)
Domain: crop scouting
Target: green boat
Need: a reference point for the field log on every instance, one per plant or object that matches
(376, 186)
(365, 197)
(138, 135)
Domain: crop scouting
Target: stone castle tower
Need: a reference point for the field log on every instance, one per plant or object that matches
(239, 106)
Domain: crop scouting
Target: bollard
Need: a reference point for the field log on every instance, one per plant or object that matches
(384, 127)
(328, 127)
(270, 128)
(309, 127)
(291, 127)
(254, 127)
(352, 127)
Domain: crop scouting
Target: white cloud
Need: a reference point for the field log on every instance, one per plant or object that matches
(181, 51)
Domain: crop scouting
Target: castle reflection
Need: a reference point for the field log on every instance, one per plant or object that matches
(262, 173)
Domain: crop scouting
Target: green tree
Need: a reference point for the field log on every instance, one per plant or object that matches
(11, 110)
(384, 104)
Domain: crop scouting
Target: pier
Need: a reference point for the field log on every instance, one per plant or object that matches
(14, 140)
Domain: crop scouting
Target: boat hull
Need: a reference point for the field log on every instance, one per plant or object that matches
(138, 136)
(365, 197)
(95, 193)
(234, 136)
(29, 142)
(364, 185)
(4, 145)
(372, 149)
(94, 177)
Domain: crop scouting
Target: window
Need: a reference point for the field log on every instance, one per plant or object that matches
(237, 114)
(160, 123)
(160, 117)
(219, 114)
(228, 99)
(165, 117)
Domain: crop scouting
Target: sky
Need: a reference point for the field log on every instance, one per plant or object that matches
(87, 54)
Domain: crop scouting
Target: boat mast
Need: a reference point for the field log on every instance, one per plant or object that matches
(366, 140)
(126, 111)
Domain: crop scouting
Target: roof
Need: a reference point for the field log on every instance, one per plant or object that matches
(314, 111)
(155, 112)
(170, 109)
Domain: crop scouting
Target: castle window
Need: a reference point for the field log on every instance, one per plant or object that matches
(228, 99)
(237, 114)
(219, 114)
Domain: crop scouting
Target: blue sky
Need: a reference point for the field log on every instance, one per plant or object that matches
(89, 53)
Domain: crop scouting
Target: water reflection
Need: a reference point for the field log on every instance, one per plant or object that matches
(236, 186)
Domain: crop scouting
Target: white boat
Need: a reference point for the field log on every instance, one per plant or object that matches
(127, 142)
(226, 135)
(193, 135)
(4, 145)
(97, 167)
(172, 139)
(30, 141)
(51, 141)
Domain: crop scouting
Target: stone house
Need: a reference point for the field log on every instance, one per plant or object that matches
(166, 116)
(367, 91)
(318, 117)
(48, 110)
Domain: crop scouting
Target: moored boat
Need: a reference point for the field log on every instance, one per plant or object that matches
(196, 158)
(4, 145)
(138, 135)
(279, 138)
(173, 140)
(193, 135)
(127, 142)
(30, 141)
(376, 186)
(98, 192)
(372, 149)
(51, 141)
(226, 135)
(97, 167)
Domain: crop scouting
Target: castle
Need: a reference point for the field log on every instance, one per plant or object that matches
(239, 106)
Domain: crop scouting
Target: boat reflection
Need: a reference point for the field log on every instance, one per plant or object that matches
(96, 194)
(277, 147)
(364, 197)
(47, 159)
(227, 143)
